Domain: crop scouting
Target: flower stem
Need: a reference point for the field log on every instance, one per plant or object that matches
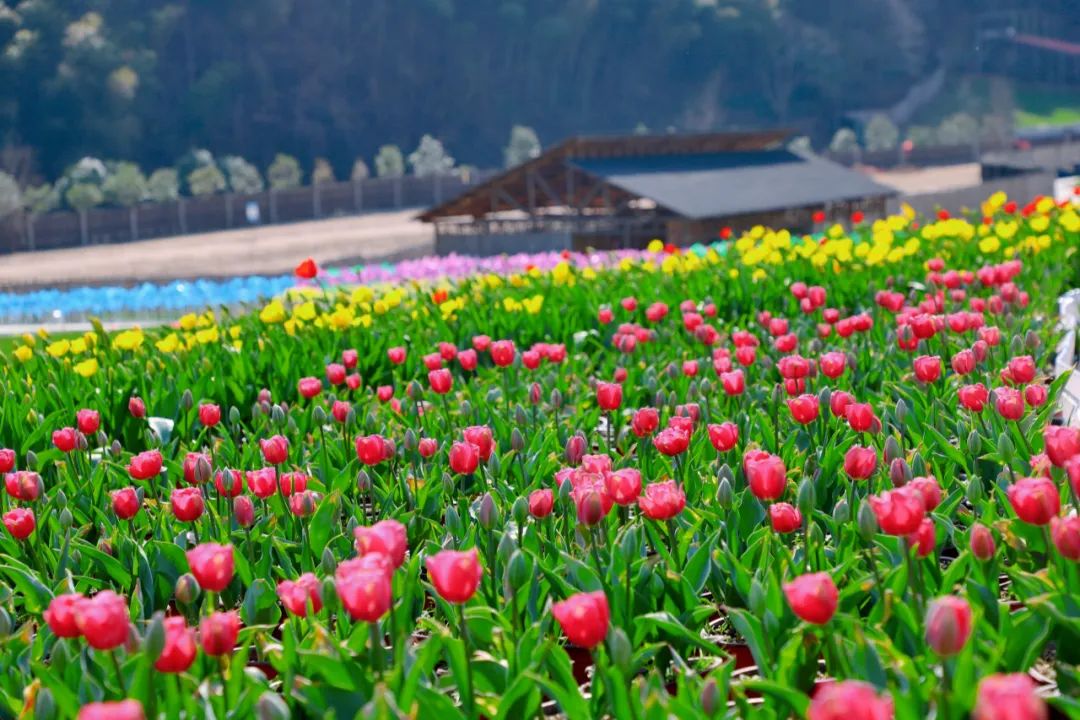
(466, 694)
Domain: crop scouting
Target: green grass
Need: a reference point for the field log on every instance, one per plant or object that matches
(1046, 107)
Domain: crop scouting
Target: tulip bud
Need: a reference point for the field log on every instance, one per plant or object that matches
(154, 638)
(899, 472)
(825, 397)
(564, 493)
(725, 496)
(466, 408)
(277, 415)
(105, 546)
(575, 449)
(1032, 340)
(556, 398)
(186, 400)
(618, 645)
(60, 499)
(329, 564)
(517, 572)
(1005, 447)
(411, 442)
(520, 510)
(757, 598)
(414, 390)
(841, 513)
(982, 542)
(706, 386)
(725, 473)
(448, 484)
(234, 415)
(453, 520)
(363, 482)
(1016, 346)
(258, 409)
(777, 394)
(187, 589)
(892, 449)
(661, 399)
(80, 441)
(44, 704)
(271, 706)
(65, 519)
(370, 420)
(517, 441)
(520, 418)
(974, 490)
(101, 438)
(488, 514)
(318, 416)
(805, 498)
(202, 470)
(494, 465)
(494, 397)
(918, 465)
(974, 443)
(350, 527)
(140, 494)
(710, 697)
(116, 448)
(901, 412)
(868, 526)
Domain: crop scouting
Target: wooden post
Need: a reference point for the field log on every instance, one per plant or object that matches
(30, 231)
(358, 195)
(437, 189)
(397, 191)
(181, 211)
(228, 210)
(316, 201)
(133, 221)
(83, 231)
(273, 205)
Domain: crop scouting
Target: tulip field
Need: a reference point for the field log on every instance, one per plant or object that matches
(779, 476)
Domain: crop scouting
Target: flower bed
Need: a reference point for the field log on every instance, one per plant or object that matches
(809, 477)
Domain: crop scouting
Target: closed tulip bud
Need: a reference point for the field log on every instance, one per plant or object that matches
(517, 441)
(116, 448)
(710, 698)
(661, 399)
(31, 460)
(187, 589)
(725, 473)
(507, 546)
(520, 510)
(556, 400)
(725, 496)
(520, 418)
(757, 598)
(618, 645)
(805, 498)
(842, 512)
(186, 400)
(494, 465)
(154, 638)
(318, 415)
(892, 449)
(974, 443)
(363, 481)
(705, 386)
(518, 572)
(982, 542)
(65, 519)
(901, 411)
(60, 498)
(1005, 447)
(44, 704)
(899, 472)
(565, 491)
(974, 490)
(948, 625)
(234, 415)
(277, 415)
(1016, 345)
(272, 706)
(101, 438)
(487, 514)
(1032, 340)
(453, 520)
(868, 525)
(575, 449)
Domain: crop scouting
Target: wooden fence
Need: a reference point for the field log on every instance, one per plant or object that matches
(222, 212)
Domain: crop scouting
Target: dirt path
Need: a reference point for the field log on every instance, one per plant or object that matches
(269, 250)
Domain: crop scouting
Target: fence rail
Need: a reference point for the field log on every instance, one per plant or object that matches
(222, 212)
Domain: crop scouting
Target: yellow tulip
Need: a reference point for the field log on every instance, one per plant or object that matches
(24, 353)
(187, 322)
(168, 344)
(87, 367)
(273, 313)
(58, 349)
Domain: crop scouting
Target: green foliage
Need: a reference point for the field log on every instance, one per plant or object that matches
(11, 199)
(323, 172)
(206, 180)
(524, 145)
(360, 170)
(430, 158)
(958, 129)
(243, 177)
(83, 195)
(284, 173)
(922, 136)
(844, 141)
(880, 133)
(125, 186)
(389, 162)
(41, 199)
(163, 185)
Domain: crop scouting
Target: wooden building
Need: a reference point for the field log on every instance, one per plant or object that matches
(622, 192)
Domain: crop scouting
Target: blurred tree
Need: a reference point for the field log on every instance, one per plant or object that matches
(125, 185)
(284, 173)
(844, 141)
(922, 136)
(430, 158)
(958, 129)
(243, 177)
(800, 144)
(389, 162)
(163, 185)
(359, 170)
(524, 145)
(323, 172)
(206, 180)
(83, 196)
(11, 198)
(41, 199)
(880, 133)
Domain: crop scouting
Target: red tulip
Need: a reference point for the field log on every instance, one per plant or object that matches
(480, 436)
(671, 441)
(464, 458)
(963, 362)
(243, 511)
(849, 700)
(350, 358)
(335, 374)
(813, 598)
(899, 511)
(427, 447)
(948, 625)
(353, 381)
(860, 462)
(1035, 395)
(818, 217)
(766, 475)
(723, 436)
(23, 485)
(1008, 697)
(263, 482)
(136, 407)
(387, 537)
(1065, 533)
(187, 504)
(1021, 369)
(371, 449)
(839, 402)
(212, 565)
(103, 620)
(302, 504)
(309, 387)
(191, 465)
(467, 359)
(7, 460)
(620, 375)
(974, 397)
(456, 575)
(584, 618)
(1034, 500)
(817, 295)
(860, 416)
(180, 650)
(804, 409)
(297, 595)
(441, 381)
(778, 326)
(541, 503)
(982, 542)
(927, 368)
(209, 414)
(645, 421)
(145, 465)
(364, 587)
(609, 396)
(61, 615)
(746, 355)
(798, 289)
(217, 633)
(733, 382)
(990, 335)
(662, 500)
(20, 522)
(307, 269)
(503, 352)
(1009, 403)
(832, 364)
(624, 486)
(924, 538)
(396, 355)
(125, 503)
(784, 517)
(119, 710)
(275, 450)
(929, 489)
(793, 367)
(88, 421)
(65, 439)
